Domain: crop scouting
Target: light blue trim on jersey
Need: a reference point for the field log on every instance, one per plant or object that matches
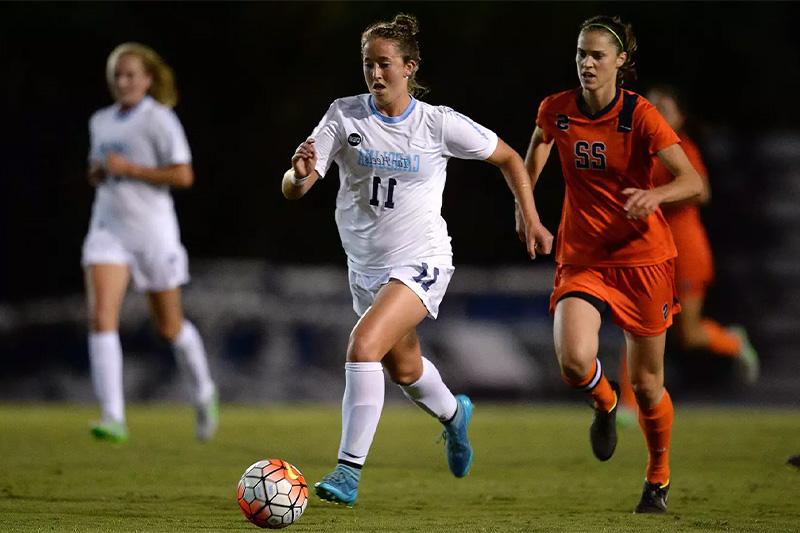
(121, 115)
(392, 120)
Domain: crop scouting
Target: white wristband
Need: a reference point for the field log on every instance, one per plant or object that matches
(297, 182)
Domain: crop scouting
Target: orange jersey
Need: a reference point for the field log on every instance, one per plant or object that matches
(694, 267)
(601, 155)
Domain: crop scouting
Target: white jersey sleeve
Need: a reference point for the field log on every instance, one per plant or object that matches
(466, 139)
(328, 139)
(171, 145)
(95, 153)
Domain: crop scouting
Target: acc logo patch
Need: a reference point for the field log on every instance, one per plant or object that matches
(562, 122)
(354, 139)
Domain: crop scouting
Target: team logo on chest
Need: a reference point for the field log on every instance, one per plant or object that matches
(354, 139)
(562, 122)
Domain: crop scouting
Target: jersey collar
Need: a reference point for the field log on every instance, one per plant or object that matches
(581, 103)
(392, 120)
(119, 114)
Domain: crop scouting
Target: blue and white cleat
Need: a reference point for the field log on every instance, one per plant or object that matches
(340, 486)
(207, 419)
(457, 446)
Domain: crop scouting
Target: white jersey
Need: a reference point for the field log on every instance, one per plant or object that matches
(148, 135)
(392, 174)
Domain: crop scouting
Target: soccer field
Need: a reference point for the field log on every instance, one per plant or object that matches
(533, 471)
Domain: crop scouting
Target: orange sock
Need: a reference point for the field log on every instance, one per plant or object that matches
(626, 396)
(721, 341)
(656, 423)
(595, 385)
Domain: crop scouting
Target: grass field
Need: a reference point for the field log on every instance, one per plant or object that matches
(533, 471)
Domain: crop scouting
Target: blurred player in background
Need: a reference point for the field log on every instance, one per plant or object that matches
(138, 151)
(694, 269)
(392, 152)
(614, 249)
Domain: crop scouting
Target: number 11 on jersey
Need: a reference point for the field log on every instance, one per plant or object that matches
(376, 186)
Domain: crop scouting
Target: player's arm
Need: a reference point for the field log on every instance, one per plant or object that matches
(687, 185)
(536, 236)
(179, 176)
(95, 174)
(303, 174)
(535, 159)
(538, 153)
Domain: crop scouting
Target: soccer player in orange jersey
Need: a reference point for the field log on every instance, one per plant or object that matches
(614, 248)
(694, 270)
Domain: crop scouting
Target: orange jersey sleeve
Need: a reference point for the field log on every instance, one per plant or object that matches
(601, 155)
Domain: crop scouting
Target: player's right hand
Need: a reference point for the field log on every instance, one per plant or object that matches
(304, 159)
(540, 240)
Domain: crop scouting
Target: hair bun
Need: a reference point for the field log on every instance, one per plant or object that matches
(407, 22)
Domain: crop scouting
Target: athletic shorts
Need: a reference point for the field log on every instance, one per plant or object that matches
(694, 267)
(428, 280)
(159, 267)
(641, 299)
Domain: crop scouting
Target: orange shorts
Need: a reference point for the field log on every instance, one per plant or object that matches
(694, 267)
(642, 299)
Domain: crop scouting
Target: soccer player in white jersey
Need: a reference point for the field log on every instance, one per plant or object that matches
(138, 151)
(392, 151)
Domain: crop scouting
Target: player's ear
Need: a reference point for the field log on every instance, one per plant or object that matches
(409, 68)
(621, 58)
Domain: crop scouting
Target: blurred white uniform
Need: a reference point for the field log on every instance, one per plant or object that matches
(134, 222)
(392, 174)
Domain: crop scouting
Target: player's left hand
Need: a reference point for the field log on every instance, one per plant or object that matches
(116, 165)
(641, 203)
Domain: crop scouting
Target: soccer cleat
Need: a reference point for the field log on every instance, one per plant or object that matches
(603, 431)
(111, 431)
(457, 446)
(794, 461)
(748, 364)
(654, 498)
(340, 486)
(207, 418)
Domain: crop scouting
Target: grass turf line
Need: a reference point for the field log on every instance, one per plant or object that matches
(533, 471)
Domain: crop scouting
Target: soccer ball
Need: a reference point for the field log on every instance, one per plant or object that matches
(272, 493)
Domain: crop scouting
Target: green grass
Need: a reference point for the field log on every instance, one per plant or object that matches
(533, 471)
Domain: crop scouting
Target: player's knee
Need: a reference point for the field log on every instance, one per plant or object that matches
(363, 348)
(691, 338)
(646, 389)
(576, 363)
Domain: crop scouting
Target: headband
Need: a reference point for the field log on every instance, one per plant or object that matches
(609, 29)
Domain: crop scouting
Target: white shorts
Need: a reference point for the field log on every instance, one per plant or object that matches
(428, 280)
(161, 266)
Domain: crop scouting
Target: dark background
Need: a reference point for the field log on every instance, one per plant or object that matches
(254, 79)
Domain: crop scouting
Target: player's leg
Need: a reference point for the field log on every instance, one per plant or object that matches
(105, 289)
(421, 382)
(190, 354)
(575, 332)
(646, 366)
(395, 312)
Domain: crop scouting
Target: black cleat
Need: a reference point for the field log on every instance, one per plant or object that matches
(654, 498)
(603, 432)
(794, 461)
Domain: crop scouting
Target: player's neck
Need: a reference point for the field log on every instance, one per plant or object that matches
(599, 99)
(395, 108)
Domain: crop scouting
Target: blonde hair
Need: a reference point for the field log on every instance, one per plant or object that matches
(163, 87)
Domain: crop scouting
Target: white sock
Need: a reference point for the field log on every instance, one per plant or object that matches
(105, 361)
(193, 363)
(361, 409)
(431, 394)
